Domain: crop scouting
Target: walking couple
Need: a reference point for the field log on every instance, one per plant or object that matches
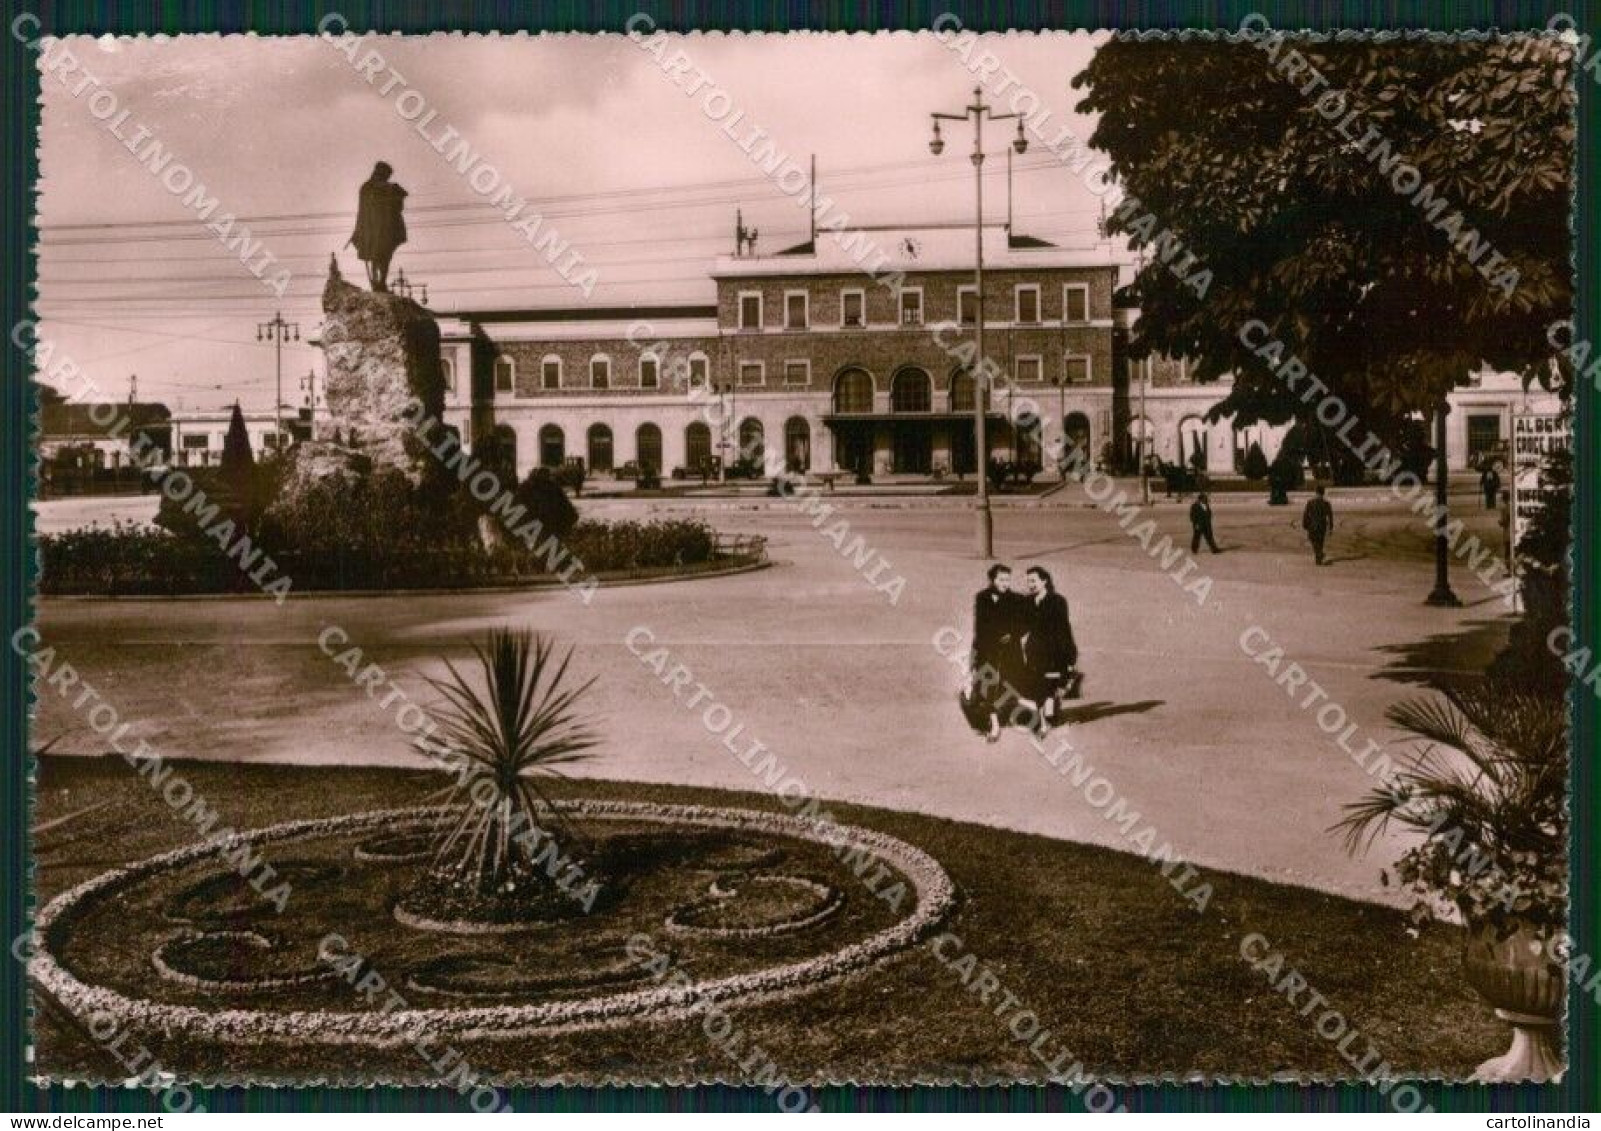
(1023, 653)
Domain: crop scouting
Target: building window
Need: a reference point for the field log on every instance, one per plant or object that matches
(600, 372)
(750, 310)
(853, 391)
(550, 372)
(852, 308)
(447, 370)
(193, 442)
(1076, 302)
(505, 374)
(911, 390)
(1026, 303)
(697, 371)
(797, 310)
(1029, 369)
(967, 305)
(961, 392)
(1484, 433)
(797, 373)
(1078, 370)
(752, 373)
(649, 371)
(912, 306)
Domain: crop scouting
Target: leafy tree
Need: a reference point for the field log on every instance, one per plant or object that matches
(1251, 202)
(1389, 215)
(238, 462)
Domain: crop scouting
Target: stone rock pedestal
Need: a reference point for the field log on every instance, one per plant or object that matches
(382, 354)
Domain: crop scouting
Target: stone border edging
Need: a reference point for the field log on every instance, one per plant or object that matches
(935, 894)
(617, 582)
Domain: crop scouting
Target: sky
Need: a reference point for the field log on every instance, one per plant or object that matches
(622, 162)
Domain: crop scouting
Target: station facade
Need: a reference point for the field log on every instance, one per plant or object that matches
(843, 362)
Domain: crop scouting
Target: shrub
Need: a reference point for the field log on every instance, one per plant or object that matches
(544, 502)
(376, 514)
(1255, 466)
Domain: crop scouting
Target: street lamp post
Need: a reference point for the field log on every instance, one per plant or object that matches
(278, 332)
(1145, 436)
(977, 111)
(726, 394)
(1442, 593)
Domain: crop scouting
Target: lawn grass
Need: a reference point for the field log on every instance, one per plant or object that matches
(1128, 977)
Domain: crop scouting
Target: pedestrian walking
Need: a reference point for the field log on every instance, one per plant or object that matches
(1201, 524)
(1490, 484)
(996, 657)
(1050, 655)
(1318, 522)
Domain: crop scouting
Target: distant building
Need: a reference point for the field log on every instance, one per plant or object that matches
(813, 357)
(841, 361)
(100, 432)
(197, 437)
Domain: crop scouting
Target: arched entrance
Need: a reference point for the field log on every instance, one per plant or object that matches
(648, 448)
(797, 444)
(1192, 443)
(911, 393)
(853, 441)
(752, 439)
(698, 447)
(497, 451)
(600, 448)
(1076, 438)
(1140, 440)
(552, 446)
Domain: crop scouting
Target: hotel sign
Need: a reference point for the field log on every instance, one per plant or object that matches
(1535, 435)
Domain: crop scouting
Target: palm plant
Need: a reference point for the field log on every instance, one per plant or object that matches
(522, 725)
(1486, 786)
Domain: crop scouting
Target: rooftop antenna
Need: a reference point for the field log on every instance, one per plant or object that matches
(744, 238)
(133, 389)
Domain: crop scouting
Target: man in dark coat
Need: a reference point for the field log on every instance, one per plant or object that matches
(380, 225)
(995, 658)
(1201, 524)
(1050, 653)
(1490, 484)
(1318, 522)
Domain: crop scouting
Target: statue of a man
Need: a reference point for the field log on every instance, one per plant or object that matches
(380, 227)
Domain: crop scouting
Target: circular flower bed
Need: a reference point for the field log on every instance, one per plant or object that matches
(851, 925)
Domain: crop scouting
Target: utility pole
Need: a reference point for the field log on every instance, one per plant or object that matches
(977, 111)
(277, 332)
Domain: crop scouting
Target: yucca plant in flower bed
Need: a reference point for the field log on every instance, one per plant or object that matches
(503, 854)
